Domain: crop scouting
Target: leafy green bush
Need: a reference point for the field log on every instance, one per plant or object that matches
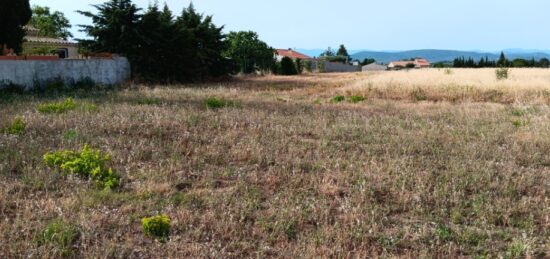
(17, 127)
(338, 98)
(216, 103)
(59, 234)
(157, 226)
(57, 107)
(287, 67)
(88, 163)
(356, 98)
(502, 73)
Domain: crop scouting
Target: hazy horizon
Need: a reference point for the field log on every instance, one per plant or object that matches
(490, 26)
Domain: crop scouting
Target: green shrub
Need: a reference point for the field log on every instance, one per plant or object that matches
(338, 98)
(57, 107)
(502, 73)
(88, 164)
(356, 99)
(17, 127)
(287, 67)
(59, 234)
(216, 103)
(157, 226)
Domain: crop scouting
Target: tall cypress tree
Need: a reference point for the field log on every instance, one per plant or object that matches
(115, 29)
(14, 14)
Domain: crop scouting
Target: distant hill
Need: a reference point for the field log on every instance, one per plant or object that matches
(434, 55)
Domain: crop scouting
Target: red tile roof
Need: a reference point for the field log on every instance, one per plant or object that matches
(418, 63)
(422, 62)
(291, 54)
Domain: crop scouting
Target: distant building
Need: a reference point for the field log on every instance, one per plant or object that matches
(417, 63)
(33, 42)
(280, 53)
(374, 67)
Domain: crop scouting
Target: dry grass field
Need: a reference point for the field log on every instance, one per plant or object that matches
(424, 163)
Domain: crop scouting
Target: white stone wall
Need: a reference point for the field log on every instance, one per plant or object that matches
(29, 73)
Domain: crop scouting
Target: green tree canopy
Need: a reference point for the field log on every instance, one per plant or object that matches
(14, 14)
(159, 46)
(328, 53)
(368, 61)
(342, 51)
(249, 52)
(49, 24)
(114, 29)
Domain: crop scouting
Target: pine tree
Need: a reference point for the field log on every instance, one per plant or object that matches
(502, 61)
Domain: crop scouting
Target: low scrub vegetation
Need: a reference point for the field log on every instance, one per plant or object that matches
(502, 73)
(87, 163)
(157, 226)
(57, 107)
(16, 127)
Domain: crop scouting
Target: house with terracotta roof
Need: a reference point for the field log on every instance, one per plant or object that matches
(35, 42)
(417, 63)
(280, 53)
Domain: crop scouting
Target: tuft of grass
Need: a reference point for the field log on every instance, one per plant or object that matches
(418, 95)
(518, 122)
(16, 127)
(356, 98)
(448, 71)
(517, 250)
(338, 99)
(148, 101)
(444, 233)
(59, 234)
(70, 135)
(217, 103)
(156, 226)
(87, 163)
(57, 107)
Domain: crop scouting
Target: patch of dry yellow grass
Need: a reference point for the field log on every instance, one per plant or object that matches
(481, 85)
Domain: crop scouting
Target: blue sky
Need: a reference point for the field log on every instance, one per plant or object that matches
(488, 25)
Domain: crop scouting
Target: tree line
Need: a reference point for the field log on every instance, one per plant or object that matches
(161, 47)
(462, 62)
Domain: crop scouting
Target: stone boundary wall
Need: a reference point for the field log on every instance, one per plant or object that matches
(31, 73)
(339, 67)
